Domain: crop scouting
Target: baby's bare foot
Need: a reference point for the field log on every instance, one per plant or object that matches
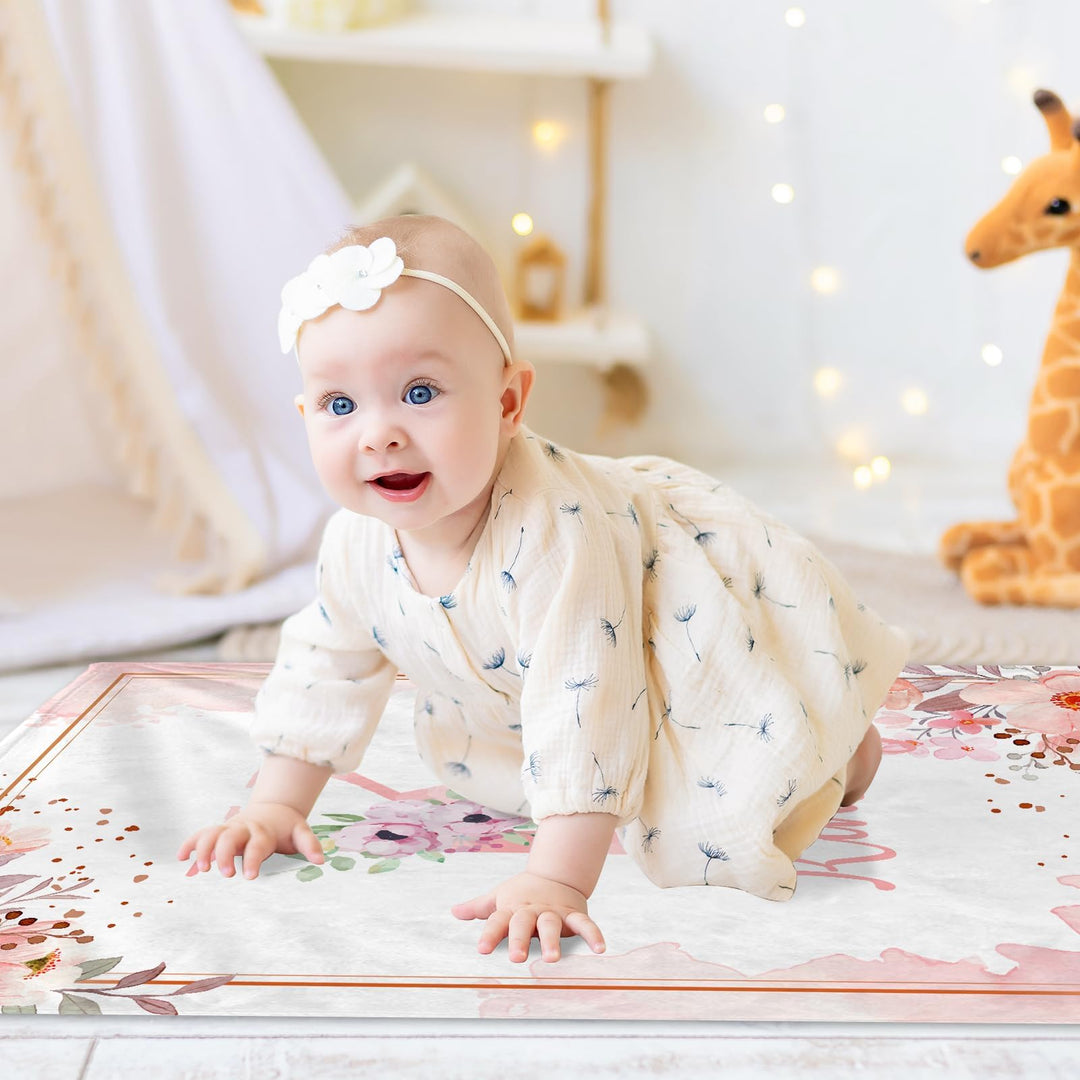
(863, 766)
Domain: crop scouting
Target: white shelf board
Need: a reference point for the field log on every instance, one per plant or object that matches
(594, 337)
(526, 46)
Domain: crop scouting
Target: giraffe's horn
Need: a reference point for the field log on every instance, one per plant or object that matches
(1058, 120)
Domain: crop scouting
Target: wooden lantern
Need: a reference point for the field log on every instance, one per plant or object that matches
(541, 274)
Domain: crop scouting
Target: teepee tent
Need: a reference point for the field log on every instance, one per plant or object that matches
(156, 189)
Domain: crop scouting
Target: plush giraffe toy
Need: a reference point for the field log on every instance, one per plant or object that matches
(1036, 558)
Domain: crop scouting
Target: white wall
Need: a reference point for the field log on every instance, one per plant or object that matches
(898, 115)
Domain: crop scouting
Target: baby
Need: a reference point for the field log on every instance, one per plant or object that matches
(601, 644)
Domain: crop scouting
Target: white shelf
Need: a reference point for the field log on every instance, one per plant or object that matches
(526, 46)
(597, 338)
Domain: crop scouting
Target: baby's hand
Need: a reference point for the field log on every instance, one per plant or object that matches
(527, 906)
(256, 832)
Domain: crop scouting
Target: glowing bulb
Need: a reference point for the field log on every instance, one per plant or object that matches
(881, 467)
(1011, 164)
(783, 193)
(915, 401)
(827, 381)
(852, 444)
(863, 477)
(522, 224)
(795, 17)
(992, 355)
(1022, 81)
(824, 280)
(548, 134)
(774, 114)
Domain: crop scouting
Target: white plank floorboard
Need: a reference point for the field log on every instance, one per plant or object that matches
(49, 1059)
(494, 1057)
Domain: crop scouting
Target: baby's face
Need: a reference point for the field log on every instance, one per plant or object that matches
(403, 409)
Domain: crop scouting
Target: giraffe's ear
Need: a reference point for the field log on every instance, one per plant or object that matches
(1058, 120)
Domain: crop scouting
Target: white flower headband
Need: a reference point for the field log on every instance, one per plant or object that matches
(354, 278)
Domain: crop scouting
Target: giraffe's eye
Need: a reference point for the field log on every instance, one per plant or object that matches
(1058, 206)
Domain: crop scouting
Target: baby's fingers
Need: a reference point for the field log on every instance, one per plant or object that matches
(202, 846)
(257, 850)
(187, 847)
(307, 843)
(495, 929)
(225, 851)
(577, 922)
(549, 926)
(479, 907)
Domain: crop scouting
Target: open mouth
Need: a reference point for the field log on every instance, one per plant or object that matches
(400, 481)
(401, 487)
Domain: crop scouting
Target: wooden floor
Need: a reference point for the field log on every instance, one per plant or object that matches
(56, 1048)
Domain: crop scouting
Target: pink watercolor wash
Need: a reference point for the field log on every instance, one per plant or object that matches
(665, 982)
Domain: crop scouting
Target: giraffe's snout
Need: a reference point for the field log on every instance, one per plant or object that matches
(974, 256)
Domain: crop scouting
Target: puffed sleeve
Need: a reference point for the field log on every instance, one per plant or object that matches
(330, 683)
(584, 715)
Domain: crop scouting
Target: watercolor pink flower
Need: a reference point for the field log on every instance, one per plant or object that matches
(904, 746)
(390, 830)
(902, 695)
(1049, 705)
(952, 749)
(963, 723)
(16, 841)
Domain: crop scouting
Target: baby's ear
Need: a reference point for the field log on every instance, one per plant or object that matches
(298, 401)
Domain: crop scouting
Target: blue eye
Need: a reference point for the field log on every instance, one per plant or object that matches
(420, 395)
(341, 405)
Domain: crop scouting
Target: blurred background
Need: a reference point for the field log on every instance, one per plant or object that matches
(734, 232)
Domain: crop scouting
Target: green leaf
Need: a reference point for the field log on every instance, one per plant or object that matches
(437, 802)
(309, 873)
(91, 969)
(340, 862)
(344, 817)
(326, 830)
(70, 1005)
(382, 867)
(517, 838)
(15, 1010)
(452, 795)
(432, 856)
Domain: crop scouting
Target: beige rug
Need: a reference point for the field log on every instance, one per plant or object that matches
(912, 591)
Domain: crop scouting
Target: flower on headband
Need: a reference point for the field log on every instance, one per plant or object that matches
(352, 277)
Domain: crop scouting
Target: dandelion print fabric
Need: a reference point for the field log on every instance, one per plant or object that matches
(950, 893)
(630, 636)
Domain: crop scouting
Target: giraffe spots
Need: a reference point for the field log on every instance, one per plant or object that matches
(1065, 509)
(1047, 429)
(1063, 383)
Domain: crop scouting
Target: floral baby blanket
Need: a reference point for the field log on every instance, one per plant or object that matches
(948, 894)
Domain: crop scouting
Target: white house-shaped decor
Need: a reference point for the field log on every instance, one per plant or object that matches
(410, 190)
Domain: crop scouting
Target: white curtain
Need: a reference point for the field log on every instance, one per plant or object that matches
(156, 189)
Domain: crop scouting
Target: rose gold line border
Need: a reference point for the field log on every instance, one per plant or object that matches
(59, 738)
(736, 988)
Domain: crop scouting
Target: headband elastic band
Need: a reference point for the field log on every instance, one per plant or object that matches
(353, 277)
(454, 287)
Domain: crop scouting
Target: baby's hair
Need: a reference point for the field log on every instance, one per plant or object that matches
(426, 242)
